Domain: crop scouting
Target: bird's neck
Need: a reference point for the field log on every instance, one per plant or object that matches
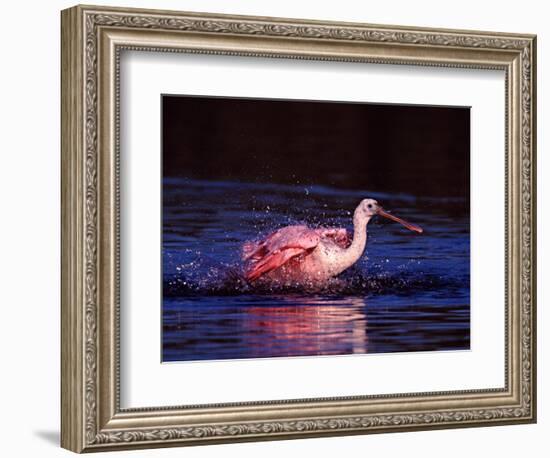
(352, 254)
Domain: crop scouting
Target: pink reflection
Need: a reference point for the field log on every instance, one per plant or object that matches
(336, 327)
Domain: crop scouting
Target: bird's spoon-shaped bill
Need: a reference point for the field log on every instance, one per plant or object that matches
(410, 226)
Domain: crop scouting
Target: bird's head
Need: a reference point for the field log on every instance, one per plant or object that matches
(370, 207)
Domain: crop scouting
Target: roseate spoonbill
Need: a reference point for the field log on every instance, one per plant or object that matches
(299, 254)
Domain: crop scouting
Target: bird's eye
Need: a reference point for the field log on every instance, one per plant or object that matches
(369, 205)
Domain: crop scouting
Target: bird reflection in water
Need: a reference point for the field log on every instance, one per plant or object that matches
(317, 326)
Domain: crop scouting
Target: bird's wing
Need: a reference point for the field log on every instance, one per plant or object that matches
(271, 262)
(338, 235)
(277, 249)
(256, 250)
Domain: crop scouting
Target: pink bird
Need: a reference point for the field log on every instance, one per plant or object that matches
(302, 255)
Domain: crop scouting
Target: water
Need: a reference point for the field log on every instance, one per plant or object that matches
(409, 292)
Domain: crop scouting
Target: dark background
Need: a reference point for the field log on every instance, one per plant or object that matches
(420, 150)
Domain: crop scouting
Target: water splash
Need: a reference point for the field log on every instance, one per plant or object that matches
(228, 280)
(203, 231)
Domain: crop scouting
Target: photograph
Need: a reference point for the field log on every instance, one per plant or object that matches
(302, 228)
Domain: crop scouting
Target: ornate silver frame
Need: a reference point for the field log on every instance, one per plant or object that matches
(92, 38)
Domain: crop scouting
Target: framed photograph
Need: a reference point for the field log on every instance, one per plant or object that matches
(278, 228)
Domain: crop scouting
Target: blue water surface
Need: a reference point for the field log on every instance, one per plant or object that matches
(409, 292)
